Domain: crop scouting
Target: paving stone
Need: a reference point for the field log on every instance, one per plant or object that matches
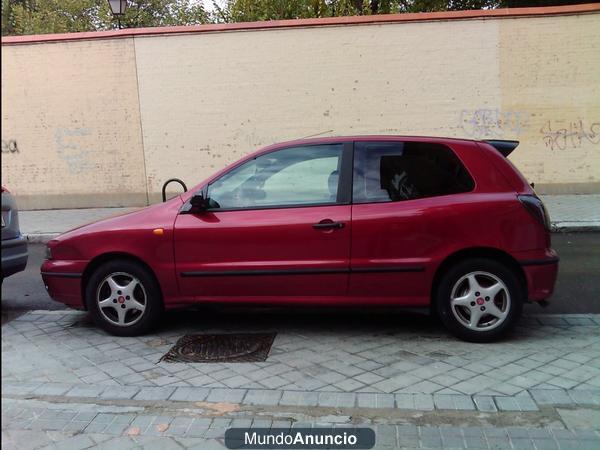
(19, 388)
(475, 442)
(190, 394)
(585, 397)
(262, 397)
(241, 423)
(83, 390)
(507, 404)
(120, 392)
(526, 403)
(299, 398)
(75, 426)
(366, 400)
(333, 399)
(85, 416)
(197, 430)
(485, 403)
(52, 389)
(154, 393)
(423, 402)
(219, 395)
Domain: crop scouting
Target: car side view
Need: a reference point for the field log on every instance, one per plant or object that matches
(443, 223)
(14, 244)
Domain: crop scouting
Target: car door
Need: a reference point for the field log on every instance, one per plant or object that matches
(403, 194)
(278, 228)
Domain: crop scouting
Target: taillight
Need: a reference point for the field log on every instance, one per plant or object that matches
(536, 208)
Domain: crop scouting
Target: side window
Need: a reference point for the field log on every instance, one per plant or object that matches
(290, 177)
(394, 171)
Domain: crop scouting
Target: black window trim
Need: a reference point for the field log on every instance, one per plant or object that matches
(344, 187)
(368, 202)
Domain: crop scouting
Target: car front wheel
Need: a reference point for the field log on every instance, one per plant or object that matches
(123, 298)
(479, 300)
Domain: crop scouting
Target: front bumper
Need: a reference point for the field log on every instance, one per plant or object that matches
(62, 280)
(14, 255)
(541, 273)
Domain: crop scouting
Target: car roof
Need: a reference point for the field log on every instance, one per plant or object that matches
(377, 137)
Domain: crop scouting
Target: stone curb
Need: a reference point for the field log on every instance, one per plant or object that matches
(575, 226)
(527, 401)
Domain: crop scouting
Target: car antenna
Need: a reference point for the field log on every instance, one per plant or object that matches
(317, 134)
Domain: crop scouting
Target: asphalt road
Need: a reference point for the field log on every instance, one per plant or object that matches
(577, 289)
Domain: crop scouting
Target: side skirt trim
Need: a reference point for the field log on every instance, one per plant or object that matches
(62, 274)
(540, 262)
(233, 273)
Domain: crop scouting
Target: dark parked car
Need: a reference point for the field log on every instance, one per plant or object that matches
(378, 220)
(14, 244)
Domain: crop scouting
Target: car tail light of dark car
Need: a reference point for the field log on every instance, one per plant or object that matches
(536, 208)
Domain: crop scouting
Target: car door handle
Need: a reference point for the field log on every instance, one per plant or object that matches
(328, 224)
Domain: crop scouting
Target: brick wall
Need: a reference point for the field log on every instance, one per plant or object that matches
(97, 122)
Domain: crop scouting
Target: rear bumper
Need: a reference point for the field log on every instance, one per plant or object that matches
(14, 255)
(541, 272)
(62, 280)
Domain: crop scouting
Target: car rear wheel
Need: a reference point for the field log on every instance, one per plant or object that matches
(479, 300)
(124, 298)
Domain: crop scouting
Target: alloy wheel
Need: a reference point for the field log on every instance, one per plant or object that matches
(480, 301)
(121, 299)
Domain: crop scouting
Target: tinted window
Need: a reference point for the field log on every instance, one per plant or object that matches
(393, 171)
(289, 177)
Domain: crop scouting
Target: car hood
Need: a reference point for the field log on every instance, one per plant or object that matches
(143, 217)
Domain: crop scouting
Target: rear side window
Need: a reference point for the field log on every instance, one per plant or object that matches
(394, 171)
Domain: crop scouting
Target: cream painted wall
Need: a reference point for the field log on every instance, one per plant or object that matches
(71, 111)
(550, 80)
(206, 99)
(219, 96)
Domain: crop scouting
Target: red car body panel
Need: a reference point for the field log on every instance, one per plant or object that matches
(385, 254)
(280, 240)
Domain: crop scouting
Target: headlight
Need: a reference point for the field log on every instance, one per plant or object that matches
(48, 253)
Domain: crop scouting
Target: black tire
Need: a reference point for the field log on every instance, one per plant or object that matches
(468, 266)
(152, 297)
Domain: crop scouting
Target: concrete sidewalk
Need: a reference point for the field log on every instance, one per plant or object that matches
(568, 213)
(67, 384)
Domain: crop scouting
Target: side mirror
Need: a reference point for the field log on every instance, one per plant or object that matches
(199, 202)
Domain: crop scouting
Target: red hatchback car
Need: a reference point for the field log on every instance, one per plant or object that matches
(372, 220)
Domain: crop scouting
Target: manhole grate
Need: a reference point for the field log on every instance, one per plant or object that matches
(211, 348)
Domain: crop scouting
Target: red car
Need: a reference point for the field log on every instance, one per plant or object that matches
(373, 220)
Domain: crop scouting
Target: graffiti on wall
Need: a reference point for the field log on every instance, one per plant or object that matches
(70, 147)
(493, 122)
(490, 123)
(10, 146)
(558, 136)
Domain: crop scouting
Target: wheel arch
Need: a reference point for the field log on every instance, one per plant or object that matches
(478, 252)
(98, 260)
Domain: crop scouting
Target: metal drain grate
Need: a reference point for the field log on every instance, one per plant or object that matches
(211, 348)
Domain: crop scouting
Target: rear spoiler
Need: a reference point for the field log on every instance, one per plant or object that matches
(504, 147)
